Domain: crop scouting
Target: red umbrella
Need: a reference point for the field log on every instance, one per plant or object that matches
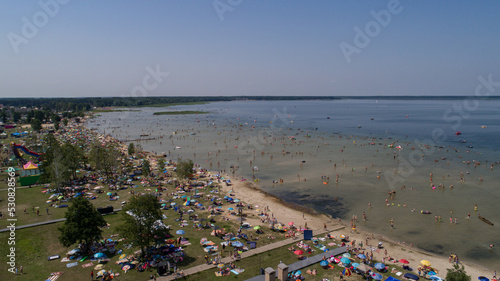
(290, 223)
(298, 252)
(404, 261)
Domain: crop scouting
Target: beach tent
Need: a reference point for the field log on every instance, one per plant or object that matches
(390, 278)
(411, 276)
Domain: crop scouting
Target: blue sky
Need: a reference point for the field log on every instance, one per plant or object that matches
(246, 47)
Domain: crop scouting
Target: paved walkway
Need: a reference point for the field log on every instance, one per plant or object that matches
(256, 251)
(305, 263)
(42, 223)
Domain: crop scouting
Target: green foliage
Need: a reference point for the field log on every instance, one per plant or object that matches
(104, 158)
(161, 165)
(184, 168)
(65, 122)
(82, 224)
(131, 149)
(457, 273)
(139, 227)
(146, 167)
(36, 125)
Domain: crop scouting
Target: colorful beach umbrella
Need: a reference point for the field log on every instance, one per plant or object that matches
(425, 263)
(298, 252)
(346, 272)
(379, 266)
(345, 261)
(376, 276)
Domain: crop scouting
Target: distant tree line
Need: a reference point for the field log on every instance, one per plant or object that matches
(85, 104)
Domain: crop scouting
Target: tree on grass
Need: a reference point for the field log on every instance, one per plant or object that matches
(457, 273)
(140, 218)
(104, 157)
(146, 168)
(184, 169)
(36, 125)
(82, 225)
(161, 165)
(131, 149)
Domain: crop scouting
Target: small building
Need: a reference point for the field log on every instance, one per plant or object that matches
(30, 174)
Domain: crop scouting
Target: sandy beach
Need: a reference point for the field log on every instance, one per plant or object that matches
(250, 193)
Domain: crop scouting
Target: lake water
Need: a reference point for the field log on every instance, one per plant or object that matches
(371, 146)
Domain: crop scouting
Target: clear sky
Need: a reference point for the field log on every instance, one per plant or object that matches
(73, 48)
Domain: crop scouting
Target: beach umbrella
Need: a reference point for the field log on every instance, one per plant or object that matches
(345, 261)
(122, 256)
(102, 272)
(432, 273)
(203, 240)
(256, 227)
(403, 261)
(323, 263)
(342, 236)
(173, 204)
(99, 255)
(354, 264)
(346, 255)
(109, 193)
(230, 209)
(290, 223)
(482, 278)
(376, 276)
(437, 278)
(361, 256)
(347, 272)
(126, 267)
(425, 263)
(298, 252)
(99, 267)
(379, 266)
(220, 265)
(180, 232)
(170, 241)
(298, 272)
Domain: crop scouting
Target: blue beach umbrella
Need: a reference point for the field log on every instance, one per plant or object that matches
(355, 264)
(180, 232)
(323, 263)
(230, 209)
(345, 261)
(482, 278)
(379, 266)
(99, 255)
(432, 273)
(437, 278)
(298, 272)
(346, 255)
(361, 256)
(376, 276)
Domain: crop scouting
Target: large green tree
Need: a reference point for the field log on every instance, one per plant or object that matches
(184, 168)
(104, 157)
(146, 167)
(457, 273)
(83, 225)
(140, 218)
(131, 149)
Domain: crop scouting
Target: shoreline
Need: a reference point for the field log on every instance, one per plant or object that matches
(251, 193)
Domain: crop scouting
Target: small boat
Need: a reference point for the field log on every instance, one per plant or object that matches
(484, 126)
(458, 133)
(372, 118)
(484, 220)
(177, 147)
(359, 126)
